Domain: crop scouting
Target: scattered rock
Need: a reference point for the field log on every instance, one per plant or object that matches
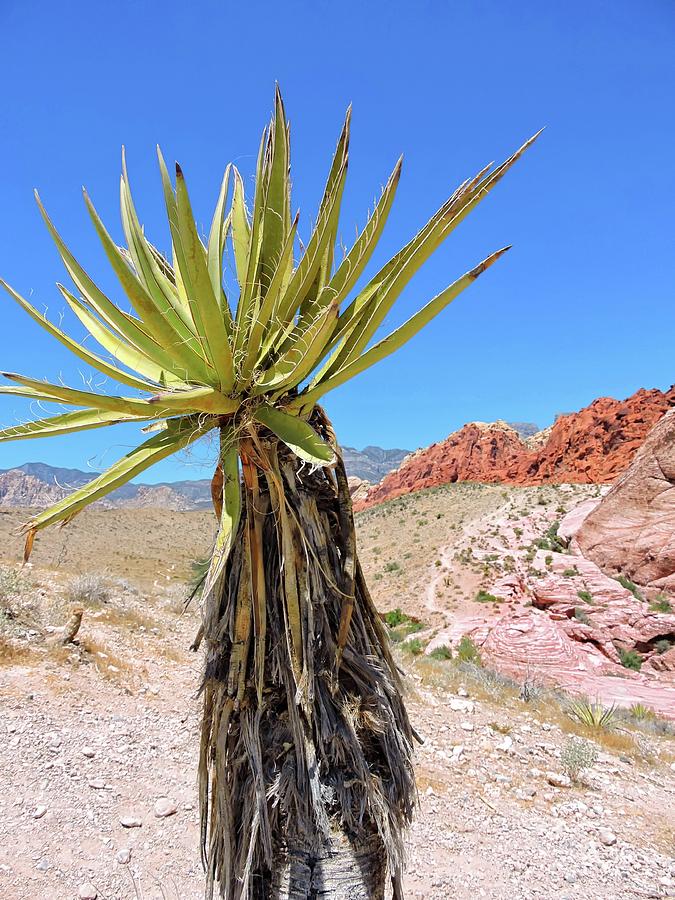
(164, 808)
(39, 812)
(606, 837)
(466, 726)
(87, 891)
(557, 780)
(123, 856)
(42, 865)
(131, 822)
(89, 752)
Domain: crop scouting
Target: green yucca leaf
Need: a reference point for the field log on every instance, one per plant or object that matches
(130, 329)
(205, 399)
(78, 349)
(296, 434)
(180, 433)
(276, 219)
(400, 336)
(250, 286)
(254, 354)
(213, 333)
(231, 508)
(113, 342)
(306, 272)
(180, 347)
(240, 228)
(80, 420)
(216, 248)
(154, 274)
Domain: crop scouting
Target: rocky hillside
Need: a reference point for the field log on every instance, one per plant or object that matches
(592, 446)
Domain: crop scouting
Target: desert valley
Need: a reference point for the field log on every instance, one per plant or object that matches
(527, 580)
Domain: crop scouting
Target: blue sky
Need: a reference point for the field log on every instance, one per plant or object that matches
(582, 306)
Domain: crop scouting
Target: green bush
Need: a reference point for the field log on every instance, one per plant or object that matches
(395, 617)
(442, 652)
(630, 659)
(467, 651)
(485, 597)
(625, 582)
(570, 573)
(581, 615)
(414, 646)
(663, 646)
(661, 604)
(586, 596)
(577, 755)
(392, 567)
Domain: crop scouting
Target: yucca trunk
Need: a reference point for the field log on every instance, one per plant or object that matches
(306, 780)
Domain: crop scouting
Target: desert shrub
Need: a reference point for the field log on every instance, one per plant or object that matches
(577, 755)
(485, 597)
(414, 646)
(661, 604)
(570, 573)
(392, 567)
(663, 646)
(395, 617)
(593, 715)
(626, 582)
(641, 712)
(581, 615)
(586, 596)
(442, 652)
(10, 583)
(467, 651)
(90, 590)
(530, 690)
(630, 659)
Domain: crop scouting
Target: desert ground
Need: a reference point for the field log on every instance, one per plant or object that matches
(99, 738)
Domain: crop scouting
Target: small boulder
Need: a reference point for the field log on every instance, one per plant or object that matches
(164, 808)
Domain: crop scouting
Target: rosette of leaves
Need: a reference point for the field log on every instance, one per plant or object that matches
(306, 746)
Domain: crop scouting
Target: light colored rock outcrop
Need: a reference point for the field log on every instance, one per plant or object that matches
(632, 531)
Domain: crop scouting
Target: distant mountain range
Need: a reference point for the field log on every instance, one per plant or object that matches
(37, 484)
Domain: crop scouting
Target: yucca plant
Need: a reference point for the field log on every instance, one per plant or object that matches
(306, 780)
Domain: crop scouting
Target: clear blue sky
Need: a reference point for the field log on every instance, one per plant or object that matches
(584, 304)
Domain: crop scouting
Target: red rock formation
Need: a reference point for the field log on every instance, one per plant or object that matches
(632, 530)
(591, 446)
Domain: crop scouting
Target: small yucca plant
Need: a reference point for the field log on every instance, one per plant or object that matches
(594, 716)
(305, 738)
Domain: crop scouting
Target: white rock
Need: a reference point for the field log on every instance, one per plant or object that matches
(89, 752)
(165, 807)
(466, 726)
(462, 692)
(87, 891)
(98, 784)
(457, 705)
(42, 864)
(123, 856)
(557, 780)
(131, 822)
(506, 744)
(606, 837)
(39, 812)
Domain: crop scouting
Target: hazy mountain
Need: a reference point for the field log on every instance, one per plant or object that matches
(39, 484)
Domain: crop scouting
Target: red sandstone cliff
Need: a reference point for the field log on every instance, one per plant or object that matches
(591, 446)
